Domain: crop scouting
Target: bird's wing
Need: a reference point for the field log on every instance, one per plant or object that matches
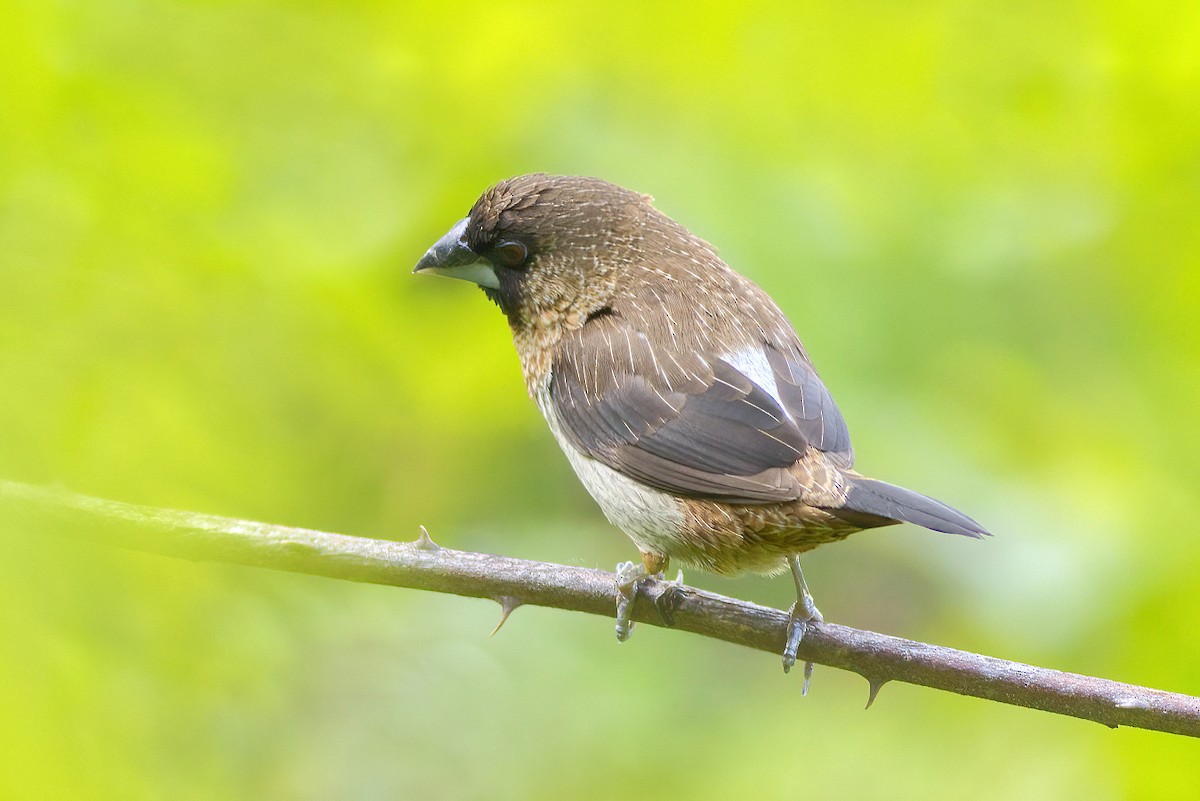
(724, 425)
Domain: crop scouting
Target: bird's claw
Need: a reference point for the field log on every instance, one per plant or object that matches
(808, 671)
(628, 577)
(802, 613)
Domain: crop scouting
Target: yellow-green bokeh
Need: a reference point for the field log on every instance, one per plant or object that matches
(981, 218)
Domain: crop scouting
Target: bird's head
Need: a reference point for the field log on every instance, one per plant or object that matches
(541, 244)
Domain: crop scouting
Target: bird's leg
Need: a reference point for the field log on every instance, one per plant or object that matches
(629, 576)
(803, 612)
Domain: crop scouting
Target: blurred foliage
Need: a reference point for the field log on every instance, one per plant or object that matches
(981, 218)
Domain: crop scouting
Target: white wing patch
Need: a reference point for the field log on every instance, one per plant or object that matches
(752, 363)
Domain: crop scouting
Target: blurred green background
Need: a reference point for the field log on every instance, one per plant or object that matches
(981, 218)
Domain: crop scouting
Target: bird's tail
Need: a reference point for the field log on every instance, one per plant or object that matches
(871, 497)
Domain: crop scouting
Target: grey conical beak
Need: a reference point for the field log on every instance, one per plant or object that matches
(451, 257)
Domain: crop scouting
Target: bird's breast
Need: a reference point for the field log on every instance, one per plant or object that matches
(535, 341)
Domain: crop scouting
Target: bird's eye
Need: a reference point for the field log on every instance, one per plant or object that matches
(511, 253)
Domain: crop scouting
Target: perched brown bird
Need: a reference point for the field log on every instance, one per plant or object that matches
(678, 390)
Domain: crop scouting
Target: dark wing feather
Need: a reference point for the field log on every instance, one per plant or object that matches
(690, 423)
(810, 405)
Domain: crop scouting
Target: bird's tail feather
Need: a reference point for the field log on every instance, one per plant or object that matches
(868, 496)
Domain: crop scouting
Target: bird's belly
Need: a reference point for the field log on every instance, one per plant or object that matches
(654, 520)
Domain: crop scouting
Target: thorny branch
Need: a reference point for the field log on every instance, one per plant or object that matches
(512, 582)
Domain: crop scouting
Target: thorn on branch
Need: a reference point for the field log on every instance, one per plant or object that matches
(507, 604)
(876, 686)
(425, 542)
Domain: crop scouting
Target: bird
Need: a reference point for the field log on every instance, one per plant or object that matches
(677, 388)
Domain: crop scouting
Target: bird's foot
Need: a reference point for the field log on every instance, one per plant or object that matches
(669, 599)
(802, 613)
(629, 575)
(630, 578)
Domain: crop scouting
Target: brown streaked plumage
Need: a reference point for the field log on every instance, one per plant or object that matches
(678, 390)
